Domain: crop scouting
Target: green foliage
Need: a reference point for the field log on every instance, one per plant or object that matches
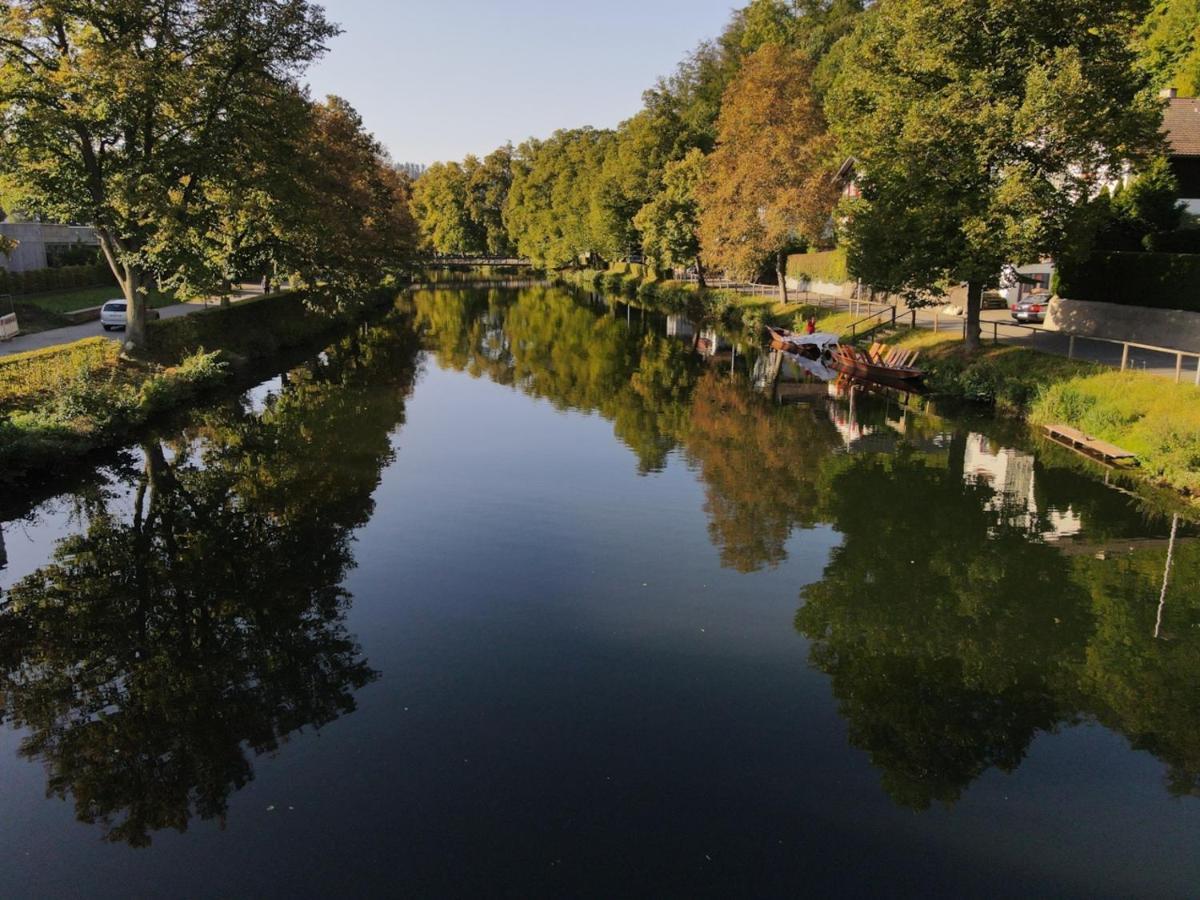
(61, 278)
(1169, 45)
(669, 221)
(1159, 280)
(977, 126)
(1149, 416)
(440, 204)
(829, 266)
(549, 207)
(145, 123)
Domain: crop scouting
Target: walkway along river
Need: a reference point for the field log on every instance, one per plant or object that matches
(510, 593)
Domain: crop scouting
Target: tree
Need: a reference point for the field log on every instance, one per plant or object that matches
(441, 197)
(119, 113)
(1169, 45)
(980, 129)
(669, 223)
(440, 208)
(768, 185)
(488, 184)
(549, 208)
(352, 216)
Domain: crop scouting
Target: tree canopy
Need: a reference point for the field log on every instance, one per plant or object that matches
(979, 129)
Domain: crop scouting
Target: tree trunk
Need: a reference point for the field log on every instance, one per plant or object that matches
(700, 282)
(974, 306)
(226, 287)
(781, 274)
(131, 279)
(132, 285)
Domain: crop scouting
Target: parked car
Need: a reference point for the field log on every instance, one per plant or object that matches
(1032, 309)
(993, 300)
(112, 314)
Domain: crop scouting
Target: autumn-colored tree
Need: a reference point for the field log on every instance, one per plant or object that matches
(767, 186)
(355, 205)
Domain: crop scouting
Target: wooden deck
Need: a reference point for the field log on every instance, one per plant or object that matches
(1090, 446)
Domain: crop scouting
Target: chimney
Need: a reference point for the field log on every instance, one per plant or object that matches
(1169, 93)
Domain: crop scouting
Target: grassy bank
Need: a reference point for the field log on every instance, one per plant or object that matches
(61, 402)
(1147, 415)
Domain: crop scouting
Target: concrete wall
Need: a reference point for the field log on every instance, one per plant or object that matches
(1171, 328)
(32, 238)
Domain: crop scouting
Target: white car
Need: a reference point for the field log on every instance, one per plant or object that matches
(112, 314)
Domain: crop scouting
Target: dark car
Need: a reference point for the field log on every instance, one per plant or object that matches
(1031, 309)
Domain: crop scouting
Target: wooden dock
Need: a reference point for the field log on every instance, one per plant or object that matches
(1090, 446)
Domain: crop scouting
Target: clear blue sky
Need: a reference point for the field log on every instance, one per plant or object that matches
(437, 79)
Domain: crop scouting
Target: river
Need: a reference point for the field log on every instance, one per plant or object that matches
(511, 592)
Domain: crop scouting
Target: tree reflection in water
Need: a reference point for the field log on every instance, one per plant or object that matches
(167, 645)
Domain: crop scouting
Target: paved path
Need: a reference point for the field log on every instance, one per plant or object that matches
(25, 342)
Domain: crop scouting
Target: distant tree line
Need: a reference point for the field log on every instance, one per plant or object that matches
(979, 133)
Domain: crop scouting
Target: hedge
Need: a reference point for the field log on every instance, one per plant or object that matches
(1159, 280)
(63, 278)
(828, 266)
(26, 377)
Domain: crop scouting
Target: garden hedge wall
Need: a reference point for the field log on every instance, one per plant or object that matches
(1158, 280)
(63, 278)
(828, 266)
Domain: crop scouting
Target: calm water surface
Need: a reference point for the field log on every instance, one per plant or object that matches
(513, 593)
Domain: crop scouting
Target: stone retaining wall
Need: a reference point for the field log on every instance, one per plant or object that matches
(1171, 328)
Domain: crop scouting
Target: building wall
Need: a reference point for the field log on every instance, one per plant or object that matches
(34, 237)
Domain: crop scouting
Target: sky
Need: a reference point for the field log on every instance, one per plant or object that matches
(438, 79)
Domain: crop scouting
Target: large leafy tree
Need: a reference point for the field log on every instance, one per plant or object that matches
(119, 113)
(980, 129)
(440, 203)
(549, 208)
(767, 186)
(488, 182)
(1170, 44)
(351, 216)
(669, 222)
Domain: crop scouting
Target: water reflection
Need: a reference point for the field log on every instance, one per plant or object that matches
(981, 593)
(174, 638)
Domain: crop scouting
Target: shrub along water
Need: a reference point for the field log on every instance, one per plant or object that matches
(64, 401)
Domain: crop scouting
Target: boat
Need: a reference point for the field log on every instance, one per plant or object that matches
(814, 346)
(895, 370)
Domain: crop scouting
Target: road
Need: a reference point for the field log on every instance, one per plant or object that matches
(25, 342)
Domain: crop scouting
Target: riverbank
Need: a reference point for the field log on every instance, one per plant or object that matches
(1149, 416)
(62, 402)
(1146, 415)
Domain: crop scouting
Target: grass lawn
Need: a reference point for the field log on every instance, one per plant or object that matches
(83, 298)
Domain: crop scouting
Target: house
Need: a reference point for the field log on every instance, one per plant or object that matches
(41, 245)
(1181, 124)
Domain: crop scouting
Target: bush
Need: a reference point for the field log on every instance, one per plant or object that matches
(1158, 280)
(829, 266)
(1184, 241)
(25, 377)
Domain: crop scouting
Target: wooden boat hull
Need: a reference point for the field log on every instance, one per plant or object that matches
(902, 379)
